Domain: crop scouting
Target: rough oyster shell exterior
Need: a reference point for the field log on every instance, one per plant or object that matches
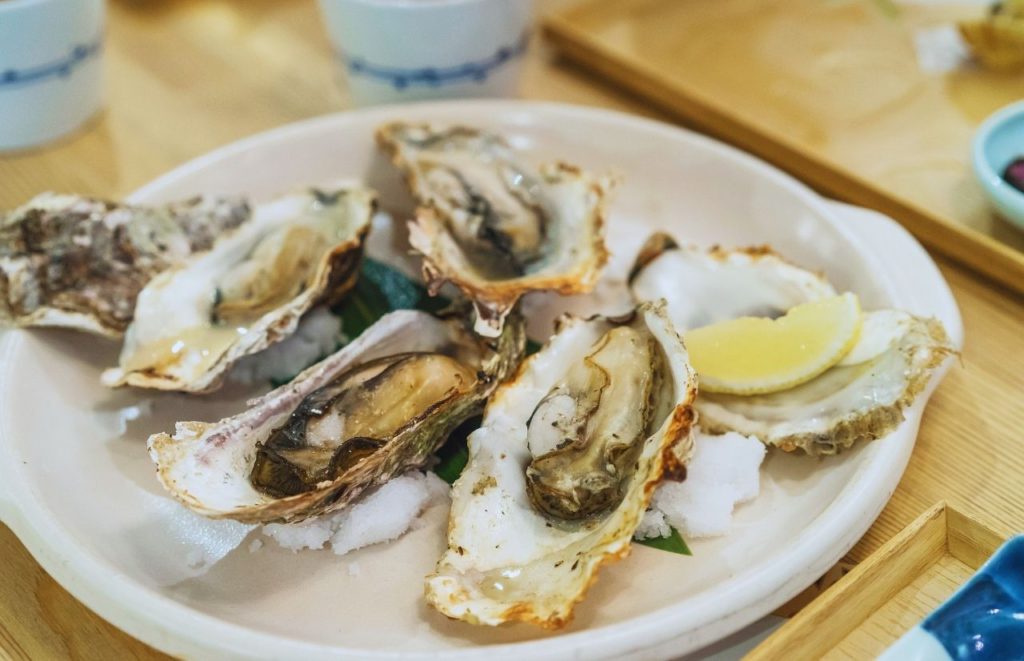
(78, 262)
(848, 403)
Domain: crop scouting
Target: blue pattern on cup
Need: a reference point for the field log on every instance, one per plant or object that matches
(61, 68)
(401, 79)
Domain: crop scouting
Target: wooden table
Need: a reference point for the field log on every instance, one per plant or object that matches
(840, 100)
(186, 76)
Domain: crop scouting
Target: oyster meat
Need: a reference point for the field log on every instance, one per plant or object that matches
(246, 293)
(78, 262)
(494, 226)
(860, 399)
(563, 467)
(374, 409)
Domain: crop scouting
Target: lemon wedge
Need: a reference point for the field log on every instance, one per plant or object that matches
(750, 355)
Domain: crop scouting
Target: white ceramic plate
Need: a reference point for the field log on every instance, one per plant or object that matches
(83, 496)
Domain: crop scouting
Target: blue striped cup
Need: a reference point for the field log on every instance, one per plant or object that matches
(406, 50)
(50, 68)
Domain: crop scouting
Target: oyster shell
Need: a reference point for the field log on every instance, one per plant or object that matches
(860, 399)
(705, 286)
(494, 226)
(79, 262)
(374, 409)
(849, 403)
(248, 292)
(563, 468)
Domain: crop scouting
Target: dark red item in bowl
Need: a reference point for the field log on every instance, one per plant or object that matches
(1014, 173)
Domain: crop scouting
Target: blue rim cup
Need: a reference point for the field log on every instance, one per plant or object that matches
(998, 142)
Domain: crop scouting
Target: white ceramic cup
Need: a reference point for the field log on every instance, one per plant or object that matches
(50, 68)
(407, 50)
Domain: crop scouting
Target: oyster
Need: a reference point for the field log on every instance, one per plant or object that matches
(374, 409)
(79, 262)
(860, 399)
(563, 468)
(706, 286)
(849, 403)
(494, 226)
(248, 292)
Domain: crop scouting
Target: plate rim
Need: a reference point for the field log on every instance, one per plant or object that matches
(171, 625)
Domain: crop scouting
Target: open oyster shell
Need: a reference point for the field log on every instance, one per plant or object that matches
(494, 226)
(704, 286)
(860, 399)
(849, 403)
(563, 468)
(352, 421)
(78, 262)
(246, 293)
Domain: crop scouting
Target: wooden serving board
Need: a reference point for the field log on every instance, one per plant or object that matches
(887, 594)
(830, 90)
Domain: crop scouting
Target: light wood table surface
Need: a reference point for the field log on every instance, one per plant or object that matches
(831, 91)
(186, 76)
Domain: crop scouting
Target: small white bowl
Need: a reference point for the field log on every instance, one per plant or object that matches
(50, 68)
(408, 50)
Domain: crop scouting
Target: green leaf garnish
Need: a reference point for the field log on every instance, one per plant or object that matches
(673, 543)
(451, 467)
(453, 455)
(396, 291)
(381, 289)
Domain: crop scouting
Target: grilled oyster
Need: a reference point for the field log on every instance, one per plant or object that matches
(495, 227)
(849, 403)
(860, 399)
(376, 408)
(705, 286)
(79, 262)
(561, 471)
(248, 292)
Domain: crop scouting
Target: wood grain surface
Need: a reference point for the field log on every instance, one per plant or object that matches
(186, 76)
(901, 613)
(831, 91)
(823, 624)
(886, 595)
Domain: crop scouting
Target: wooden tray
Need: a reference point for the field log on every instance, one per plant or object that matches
(829, 90)
(887, 594)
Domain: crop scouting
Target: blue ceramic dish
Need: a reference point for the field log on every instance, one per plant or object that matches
(1000, 140)
(983, 620)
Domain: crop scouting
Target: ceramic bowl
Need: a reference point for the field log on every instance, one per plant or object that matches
(999, 141)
